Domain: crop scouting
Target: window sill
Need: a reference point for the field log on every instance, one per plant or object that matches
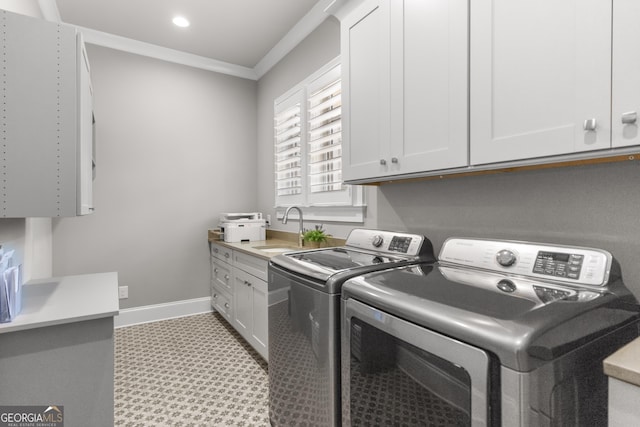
(348, 214)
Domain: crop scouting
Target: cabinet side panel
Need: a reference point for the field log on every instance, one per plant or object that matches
(39, 139)
(85, 144)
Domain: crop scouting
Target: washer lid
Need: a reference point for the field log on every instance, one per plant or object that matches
(525, 323)
(365, 250)
(321, 264)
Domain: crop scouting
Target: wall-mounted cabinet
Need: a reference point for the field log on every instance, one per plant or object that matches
(626, 76)
(47, 136)
(545, 82)
(540, 78)
(404, 87)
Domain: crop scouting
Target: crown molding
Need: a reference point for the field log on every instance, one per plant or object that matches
(302, 29)
(316, 16)
(158, 52)
(49, 10)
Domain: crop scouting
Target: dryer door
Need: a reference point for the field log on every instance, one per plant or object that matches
(397, 373)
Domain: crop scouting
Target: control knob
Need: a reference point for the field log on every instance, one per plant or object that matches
(377, 240)
(506, 258)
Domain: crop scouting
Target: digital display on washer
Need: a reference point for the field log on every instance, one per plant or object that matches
(400, 244)
(558, 264)
(553, 256)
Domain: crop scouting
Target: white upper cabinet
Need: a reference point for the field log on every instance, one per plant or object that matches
(365, 90)
(47, 125)
(405, 87)
(626, 73)
(540, 78)
(429, 90)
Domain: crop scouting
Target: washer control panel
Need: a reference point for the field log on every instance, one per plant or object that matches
(568, 264)
(559, 264)
(386, 241)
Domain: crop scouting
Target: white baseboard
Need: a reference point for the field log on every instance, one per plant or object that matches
(154, 313)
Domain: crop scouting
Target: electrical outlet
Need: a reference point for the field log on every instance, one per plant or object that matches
(123, 292)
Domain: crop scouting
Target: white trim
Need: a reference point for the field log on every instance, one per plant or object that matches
(349, 214)
(49, 10)
(316, 16)
(342, 8)
(157, 312)
(299, 32)
(158, 52)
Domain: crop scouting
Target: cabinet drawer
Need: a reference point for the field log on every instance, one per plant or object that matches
(221, 302)
(221, 274)
(251, 264)
(222, 253)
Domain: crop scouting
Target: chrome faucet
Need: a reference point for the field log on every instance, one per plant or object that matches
(285, 218)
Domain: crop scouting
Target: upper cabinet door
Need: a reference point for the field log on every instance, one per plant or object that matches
(540, 78)
(626, 73)
(405, 87)
(429, 85)
(365, 89)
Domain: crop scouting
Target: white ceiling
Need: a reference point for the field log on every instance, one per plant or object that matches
(240, 32)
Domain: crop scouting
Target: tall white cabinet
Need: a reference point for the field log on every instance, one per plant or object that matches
(540, 78)
(48, 157)
(405, 87)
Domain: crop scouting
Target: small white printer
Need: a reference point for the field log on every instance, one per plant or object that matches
(243, 227)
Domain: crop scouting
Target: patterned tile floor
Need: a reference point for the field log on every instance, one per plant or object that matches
(191, 371)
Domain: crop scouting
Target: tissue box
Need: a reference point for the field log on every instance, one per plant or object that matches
(10, 293)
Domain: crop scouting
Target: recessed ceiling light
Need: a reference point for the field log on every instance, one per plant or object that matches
(181, 21)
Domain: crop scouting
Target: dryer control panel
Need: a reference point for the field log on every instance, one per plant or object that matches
(567, 264)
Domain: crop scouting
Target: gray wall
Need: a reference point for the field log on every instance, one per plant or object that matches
(175, 147)
(597, 206)
(315, 51)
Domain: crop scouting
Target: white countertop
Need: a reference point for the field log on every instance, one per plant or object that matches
(59, 300)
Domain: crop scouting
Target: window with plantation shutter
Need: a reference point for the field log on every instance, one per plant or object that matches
(325, 138)
(288, 154)
(308, 148)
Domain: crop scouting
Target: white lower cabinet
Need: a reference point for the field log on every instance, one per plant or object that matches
(222, 280)
(250, 310)
(239, 293)
(221, 291)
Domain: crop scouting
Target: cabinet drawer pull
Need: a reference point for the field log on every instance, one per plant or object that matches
(247, 283)
(226, 254)
(215, 270)
(216, 250)
(215, 296)
(394, 160)
(226, 277)
(226, 305)
(383, 162)
(590, 124)
(629, 117)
